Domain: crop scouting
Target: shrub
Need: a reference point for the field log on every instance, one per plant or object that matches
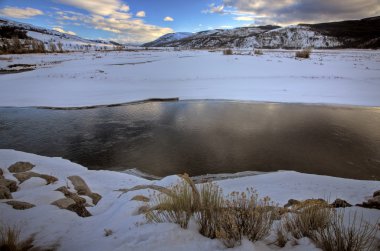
(227, 52)
(258, 52)
(307, 218)
(249, 215)
(10, 240)
(357, 235)
(304, 53)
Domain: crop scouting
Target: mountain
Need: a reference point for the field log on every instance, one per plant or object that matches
(168, 38)
(50, 39)
(364, 33)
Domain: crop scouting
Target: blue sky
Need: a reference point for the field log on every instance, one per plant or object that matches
(137, 21)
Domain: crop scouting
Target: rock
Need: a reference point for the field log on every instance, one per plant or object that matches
(63, 203)
(19, 205)
(371, 203)
(1, 173)
(10, 184)
(27, 175)
(80, 210)
(71, 195)
(292, 202)
(80, 185)
(82, 189)
(340, 203)
(69, 204)
(377, 193)
(95, 198)
(5, 193)
(19, 167)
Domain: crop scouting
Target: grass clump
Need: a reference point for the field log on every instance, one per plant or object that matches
(227, 52)
(246, 215)
(10, 240)
(304, 53)
(258, 52)
(356, 235)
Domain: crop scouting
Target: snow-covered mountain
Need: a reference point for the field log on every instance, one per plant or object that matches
(168, 38)
(52, 38)
(363, 33)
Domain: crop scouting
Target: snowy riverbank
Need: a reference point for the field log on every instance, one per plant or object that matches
(54, 226)
(349, 77)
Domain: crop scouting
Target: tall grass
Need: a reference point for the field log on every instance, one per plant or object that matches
(304, 53)
(10, 240)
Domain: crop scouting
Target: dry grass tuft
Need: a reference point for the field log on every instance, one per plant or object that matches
(356, 235)
(227, 52)
(304, 53)
(10, 240)
(258, 52)
(307, 218)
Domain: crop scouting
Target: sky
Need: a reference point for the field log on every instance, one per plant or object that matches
(138, 21)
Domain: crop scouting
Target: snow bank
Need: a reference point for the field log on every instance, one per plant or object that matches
(130, 232)
(81, 79)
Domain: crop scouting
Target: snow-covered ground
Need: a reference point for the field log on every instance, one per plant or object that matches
(130, 230)
(346, 77)
(350, 77)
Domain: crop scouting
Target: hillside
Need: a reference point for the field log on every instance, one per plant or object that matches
(363, 33)
(30, 36)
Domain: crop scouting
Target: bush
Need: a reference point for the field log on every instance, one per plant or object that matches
(309, 217)
(10, 240)
(357, 235)
(258, 52)
(246, 215)
(227, 52)
(305, 53)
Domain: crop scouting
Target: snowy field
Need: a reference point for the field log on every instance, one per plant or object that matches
(349, 77)
(129, 230)
(345, 77)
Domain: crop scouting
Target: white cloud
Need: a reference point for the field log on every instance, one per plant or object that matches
(100, 7)
(297, 11)
(112, 16)
(168, 19)
(244, 18)
(16, 12)
(140, 14)
(59, 29)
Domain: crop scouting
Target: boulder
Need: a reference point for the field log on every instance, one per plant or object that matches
(80, 185)
(11, 184)
(376, 193)
(340, 203)
(1, 173)
(371, 203)
(20, 166)
(71, 195)
(80, 210)
(63, 203)
(5, 193)
(82, 189)
(292, 202)
(27, 175)
(19, 205)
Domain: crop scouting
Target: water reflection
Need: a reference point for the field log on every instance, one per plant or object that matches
(203, 137)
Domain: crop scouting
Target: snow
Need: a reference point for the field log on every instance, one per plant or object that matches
(347, 77)
(130, 231)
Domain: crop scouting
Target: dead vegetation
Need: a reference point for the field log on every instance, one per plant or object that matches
(228, 52)
(304, 53)
(244, 214)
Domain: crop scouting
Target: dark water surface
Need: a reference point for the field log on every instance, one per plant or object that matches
(200, 137)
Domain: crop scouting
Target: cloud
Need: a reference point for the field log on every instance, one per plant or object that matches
(168, 19)
(244, 18)
(213, 8)
(140, 14)
(99, 7)
(294, 11)
(59, 29)
(112, 16)
(16, 12)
